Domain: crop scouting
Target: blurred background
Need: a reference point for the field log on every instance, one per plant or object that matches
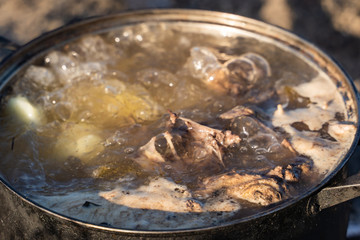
(332, 25)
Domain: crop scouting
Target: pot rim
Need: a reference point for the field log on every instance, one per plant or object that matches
(46, 41)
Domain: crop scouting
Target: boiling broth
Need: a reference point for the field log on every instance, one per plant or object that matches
(95, 103)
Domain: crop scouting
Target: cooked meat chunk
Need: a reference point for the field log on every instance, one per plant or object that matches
(198, 132)
(245, 122)
(263, 189)
(291, 172)
(229, 81)
(247, 115)
(234, 75)
(186, 143)
(254, 188)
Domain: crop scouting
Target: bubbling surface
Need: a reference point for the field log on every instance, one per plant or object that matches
(100, 99)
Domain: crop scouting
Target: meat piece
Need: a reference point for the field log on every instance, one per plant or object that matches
(235, 75)
(223, 81)
(187, 142)
(239, 112)
(244, 121)
(291, 172)
(254, 188)
(216, 138)
(260, 188)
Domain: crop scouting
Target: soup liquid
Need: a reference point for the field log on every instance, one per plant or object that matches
(102, 97)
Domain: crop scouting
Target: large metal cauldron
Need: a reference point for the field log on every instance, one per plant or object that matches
(317, 214)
